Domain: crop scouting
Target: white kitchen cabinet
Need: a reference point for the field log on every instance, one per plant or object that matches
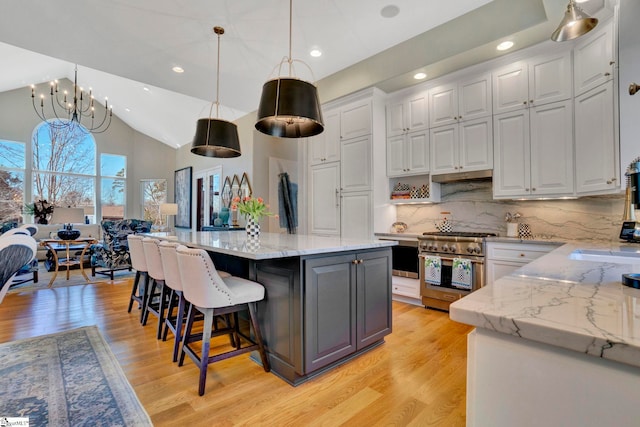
(597, 164)
(540, 80)
(463, 147)
(503, 258)
(407, 113)
(355, 215)
(595, 59)
(466, 99)
(325, 147)
(534, 152)
(355, 165)
(355, 120)
(324, 205)
(408, 154)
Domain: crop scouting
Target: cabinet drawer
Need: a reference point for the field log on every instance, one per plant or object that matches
(517, 252)
(405, 286)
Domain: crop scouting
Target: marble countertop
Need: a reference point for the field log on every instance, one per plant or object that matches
(268, 245)
(580, 305)
(399, 236)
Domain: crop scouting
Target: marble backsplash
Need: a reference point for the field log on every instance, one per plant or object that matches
(472, 208)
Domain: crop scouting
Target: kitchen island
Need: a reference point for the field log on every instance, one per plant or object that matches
(327, 299)
(557, 342)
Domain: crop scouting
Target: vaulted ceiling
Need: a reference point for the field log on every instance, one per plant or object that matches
(124, 46)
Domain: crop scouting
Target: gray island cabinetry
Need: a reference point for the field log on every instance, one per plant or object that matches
(327, 299)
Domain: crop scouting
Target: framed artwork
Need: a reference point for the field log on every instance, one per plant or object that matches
(182, 190)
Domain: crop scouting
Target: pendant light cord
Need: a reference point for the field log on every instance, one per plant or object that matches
(290, 32)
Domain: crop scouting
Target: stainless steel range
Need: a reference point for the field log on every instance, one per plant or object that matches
(447, 246)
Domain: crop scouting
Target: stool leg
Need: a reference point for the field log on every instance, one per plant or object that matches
(148, 300)
(179, 322)
(134, 290)
(206, 344)
(161, 307)
(145, 293)
(187, 333)
(167, 319)
(256, 331)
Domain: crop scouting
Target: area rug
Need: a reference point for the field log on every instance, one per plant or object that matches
(75, 279)
(69, 378)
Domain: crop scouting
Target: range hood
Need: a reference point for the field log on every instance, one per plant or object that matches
(463, 176)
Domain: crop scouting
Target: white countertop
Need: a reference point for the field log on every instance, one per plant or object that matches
(574, 304)
(268, 245)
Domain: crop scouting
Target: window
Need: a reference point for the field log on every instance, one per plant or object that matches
(64, 165)
(12, 166)
(113, 172)
(154, 193)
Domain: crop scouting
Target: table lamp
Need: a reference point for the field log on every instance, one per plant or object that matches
(68, 217)
(167, 209)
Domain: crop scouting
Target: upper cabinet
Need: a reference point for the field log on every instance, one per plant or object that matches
(407, 113)
(538, 81)
(355, 120)
(594, 59)
(325, 147)
(467, 99)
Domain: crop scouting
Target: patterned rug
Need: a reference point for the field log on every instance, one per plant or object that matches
(75, 279)
(69, 378)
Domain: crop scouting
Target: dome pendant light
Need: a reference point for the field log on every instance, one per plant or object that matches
(289, 107)
(574, 24)
(216, 137)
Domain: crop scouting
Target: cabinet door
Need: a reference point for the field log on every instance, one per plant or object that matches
(444, 149)
(550, 78)
(476, 145)
(552, 149)
(356, 164)
(417, 152)
(417, 112)
(325, 147)
(373, 297)
(355, 215)
(396, 155)
(497, 269)
(596, 148)
(475, 97)
(325, 201)
(510, 88)
(396, 117)
(443, 105)
(594, 59)
(330, 310)
(511, 161)
(355, 120)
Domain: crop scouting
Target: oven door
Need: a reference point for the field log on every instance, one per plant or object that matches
(404, 259)
(477, 275)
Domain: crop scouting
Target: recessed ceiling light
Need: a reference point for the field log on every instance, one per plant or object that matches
(178, 70)
(146, 89)
(505, 45)
(420, 76)
(127, 110)
(390, 11)
(315, 53)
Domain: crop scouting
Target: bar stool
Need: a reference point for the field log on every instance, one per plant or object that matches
(212, 296)
(139, 263)
(156, 299)
(177, 301)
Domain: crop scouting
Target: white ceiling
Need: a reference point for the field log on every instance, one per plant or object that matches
(121, 46)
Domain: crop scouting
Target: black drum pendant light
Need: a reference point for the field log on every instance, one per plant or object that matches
(574, 24)
(289, 107)
(216, 137)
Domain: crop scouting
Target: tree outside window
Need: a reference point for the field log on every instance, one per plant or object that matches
(113, 185)
(12, 166)
(154, 193)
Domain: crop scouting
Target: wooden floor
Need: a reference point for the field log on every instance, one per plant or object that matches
(417, 377)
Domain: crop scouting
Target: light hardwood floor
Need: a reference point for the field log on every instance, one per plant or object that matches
(417, 377)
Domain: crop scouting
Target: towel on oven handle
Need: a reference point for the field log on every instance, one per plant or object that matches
(433, 270)
(461, 273)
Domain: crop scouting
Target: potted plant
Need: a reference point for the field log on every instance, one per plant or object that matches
(253, 209)
(41, 211)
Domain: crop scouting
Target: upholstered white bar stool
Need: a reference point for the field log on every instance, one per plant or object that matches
(156, 299)
(212, 296)
(139, 263)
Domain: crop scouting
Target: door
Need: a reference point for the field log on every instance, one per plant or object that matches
(355, 215)
(373, 283)
(596, 151)
(475, 97)
(355, 120)
(325, 204)
(443, 105)
(444, 149)
(510, 88)
(208, 203)
(552, 149)
(594, 59)
(396, 155)
(355, 168)
(511, 160)
(330, 310)
(550, 78)
(417, 152)
(476, 145)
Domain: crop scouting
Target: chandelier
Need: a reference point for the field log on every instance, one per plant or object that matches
(79, 108)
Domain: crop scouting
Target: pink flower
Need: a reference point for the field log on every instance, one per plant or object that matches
(260, 200)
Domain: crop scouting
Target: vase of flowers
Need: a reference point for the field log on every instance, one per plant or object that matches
(41, 211)
(253, 209)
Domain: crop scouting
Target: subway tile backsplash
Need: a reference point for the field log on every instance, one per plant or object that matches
(473, 209)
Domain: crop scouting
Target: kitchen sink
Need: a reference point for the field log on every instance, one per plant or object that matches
(621, 255)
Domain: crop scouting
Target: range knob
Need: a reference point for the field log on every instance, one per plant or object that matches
(433, 247)
(470, 249)
(445, 248)
(478, 249)
(453, 248)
